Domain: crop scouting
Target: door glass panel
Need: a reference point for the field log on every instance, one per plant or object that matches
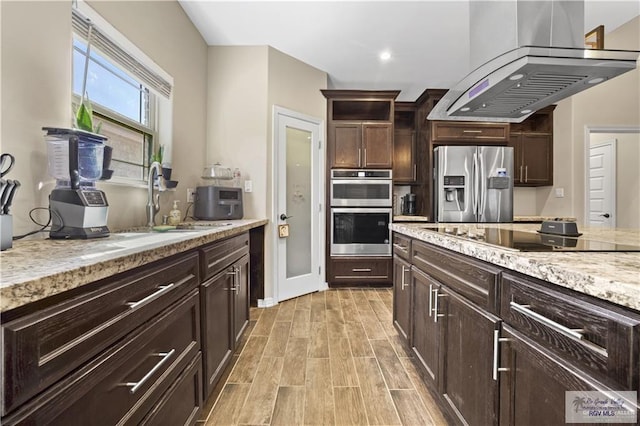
(361, 228)
(298, 195)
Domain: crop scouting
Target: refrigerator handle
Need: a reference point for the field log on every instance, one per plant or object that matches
(474, 192)
(482, 188)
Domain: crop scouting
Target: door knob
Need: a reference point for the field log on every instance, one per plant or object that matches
(606, 215)
(284, 217)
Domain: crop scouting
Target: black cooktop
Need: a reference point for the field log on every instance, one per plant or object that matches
(532, 241)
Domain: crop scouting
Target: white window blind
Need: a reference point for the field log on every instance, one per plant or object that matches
(105, 45)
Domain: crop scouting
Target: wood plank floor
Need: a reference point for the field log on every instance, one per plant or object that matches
(326, 358)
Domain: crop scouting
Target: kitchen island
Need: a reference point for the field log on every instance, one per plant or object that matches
(611, 276)
(501, 336)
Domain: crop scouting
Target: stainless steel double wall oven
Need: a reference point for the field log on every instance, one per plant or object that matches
(361, 210)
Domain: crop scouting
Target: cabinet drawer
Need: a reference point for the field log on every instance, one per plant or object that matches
(42, 347)
(182, 403)
(122, 384)
(219, 255)
(475, 280)
(447, 132)
(599, 337)
(364, 270)
(402, 246)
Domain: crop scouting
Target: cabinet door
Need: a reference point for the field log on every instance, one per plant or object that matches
(537, 157)
(426, 327)
(377, 145)
(532, 389)
(515, 142)
(217, 299)
(404, 156)
(402, 297)
(241, 296)
(467, 356)
(345, 145)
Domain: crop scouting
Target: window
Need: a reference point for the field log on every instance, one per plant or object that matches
(126, 94)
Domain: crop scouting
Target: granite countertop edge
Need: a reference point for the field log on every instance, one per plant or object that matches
(28, 275)
(613, 277)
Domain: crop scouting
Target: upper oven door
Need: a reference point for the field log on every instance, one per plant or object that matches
(361, 193)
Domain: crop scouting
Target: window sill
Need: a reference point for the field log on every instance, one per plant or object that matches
(130, 183)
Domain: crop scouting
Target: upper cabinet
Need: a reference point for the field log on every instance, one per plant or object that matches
(405, 161)
(452, 132)
(532, 141)
(360, 128)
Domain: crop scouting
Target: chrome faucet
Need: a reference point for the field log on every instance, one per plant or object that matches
(153, 202)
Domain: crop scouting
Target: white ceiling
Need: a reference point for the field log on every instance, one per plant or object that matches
(428, 40)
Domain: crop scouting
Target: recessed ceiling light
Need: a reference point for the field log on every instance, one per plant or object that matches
(596, 80)
(385, 56)
(525, 111)
(516, 77)
(465, 109)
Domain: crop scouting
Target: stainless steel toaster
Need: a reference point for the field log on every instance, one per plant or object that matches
(218, 203)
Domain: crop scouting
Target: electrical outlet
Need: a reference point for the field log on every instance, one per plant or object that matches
(559, 192)
(191, 195)
(248, 186)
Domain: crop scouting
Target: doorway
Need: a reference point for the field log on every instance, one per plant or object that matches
(298, 212)
(626, 189)
(602, 184)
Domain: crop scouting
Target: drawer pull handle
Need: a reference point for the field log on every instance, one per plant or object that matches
(400, 246)
(573, 333)
(569, 332)
(472, 131)
(430, 299)
(136, 385)
(361, 270)
(161, 290)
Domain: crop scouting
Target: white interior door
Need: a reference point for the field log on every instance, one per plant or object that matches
(298, 169)
(602, 185)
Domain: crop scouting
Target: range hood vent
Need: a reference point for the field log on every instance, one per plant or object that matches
(515, 84)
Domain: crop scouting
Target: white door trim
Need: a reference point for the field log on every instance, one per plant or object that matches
(588, 130)
(279, 111)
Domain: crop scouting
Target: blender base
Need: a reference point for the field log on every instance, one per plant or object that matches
(78, 214)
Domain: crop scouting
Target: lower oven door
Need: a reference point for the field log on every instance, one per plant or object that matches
(360, 232)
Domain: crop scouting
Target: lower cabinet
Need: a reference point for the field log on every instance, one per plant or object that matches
(224, 298)
(510, 363)
(357, 270)
(402, 297)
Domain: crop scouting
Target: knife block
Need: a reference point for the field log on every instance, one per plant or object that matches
(6, 231)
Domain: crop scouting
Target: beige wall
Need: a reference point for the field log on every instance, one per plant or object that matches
(627, 176)
(613, 103)
(244, 84)
(36, 92)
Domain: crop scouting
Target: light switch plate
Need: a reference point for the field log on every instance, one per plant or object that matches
(559, 192)
(248, 186)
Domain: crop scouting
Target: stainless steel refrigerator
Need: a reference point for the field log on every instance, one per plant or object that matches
(473, 184)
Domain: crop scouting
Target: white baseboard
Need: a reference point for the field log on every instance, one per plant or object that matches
(323, 286)
(267, 302)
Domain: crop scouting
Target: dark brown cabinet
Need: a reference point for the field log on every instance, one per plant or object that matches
(402, 297)
(425, 334)
(447, 133)
(532, 142)
(498, 347)
(361, 145)
(533, 159)
(467, 353)
(346, 270)
(225, 303)
(360, 128)
(405, 156)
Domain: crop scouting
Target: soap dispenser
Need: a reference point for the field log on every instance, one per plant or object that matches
(174, 214)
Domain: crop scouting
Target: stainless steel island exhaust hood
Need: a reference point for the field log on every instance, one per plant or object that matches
(545, 61)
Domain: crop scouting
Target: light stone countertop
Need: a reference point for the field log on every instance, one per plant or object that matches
(405, 218)
(610, 276)
(33, 270)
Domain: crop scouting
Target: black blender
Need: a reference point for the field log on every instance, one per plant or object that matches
(78, 209)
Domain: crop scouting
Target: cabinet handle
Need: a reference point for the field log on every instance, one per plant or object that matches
(361, 270)
(496, 351)
(161, 290)
(404, 283)
(526, 173)
(521, 174)
(359, 157)
(435, 305)
(136, 385)
(400, 246)
(472, 131)
(430, 299)
(569, 332)
(415, 171)
(365, 157)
